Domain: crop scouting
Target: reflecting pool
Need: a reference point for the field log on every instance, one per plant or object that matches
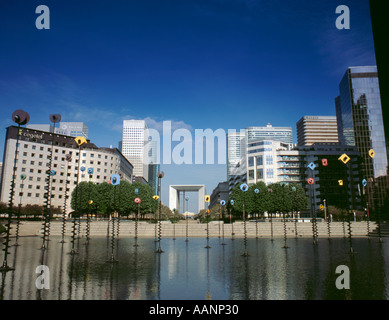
(189, 271)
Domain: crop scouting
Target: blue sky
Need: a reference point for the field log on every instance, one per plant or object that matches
(202, 64)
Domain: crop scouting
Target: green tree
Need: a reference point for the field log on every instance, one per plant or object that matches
(241, 199)
(3, 207)
(103, 202)
(299, 200)
(82, 194)
(261, 199)
(280, 198)
(145, 193)
(215, 211)
(33, 210)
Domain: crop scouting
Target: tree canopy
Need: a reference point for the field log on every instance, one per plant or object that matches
(106, 198)
(273, 198)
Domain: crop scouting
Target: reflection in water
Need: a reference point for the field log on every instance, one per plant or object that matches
(186, 270)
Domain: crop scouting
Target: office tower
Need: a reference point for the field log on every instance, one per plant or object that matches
(73, 129)
(283, 134)
(153, 162)
(360, 124)
(33, 159)
(316, 129)
(135, 146)
(236, 149)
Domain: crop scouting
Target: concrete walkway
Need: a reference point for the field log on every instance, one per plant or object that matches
(196, 229)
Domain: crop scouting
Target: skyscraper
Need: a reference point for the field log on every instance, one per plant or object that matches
(153, 162)
(135, 146)
(236, 148)
(316, 129)
(360, 124)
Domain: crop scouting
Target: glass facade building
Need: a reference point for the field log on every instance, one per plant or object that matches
(360, 124)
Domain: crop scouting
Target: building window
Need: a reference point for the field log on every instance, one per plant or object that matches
(259, 173)
(251, 161)
(251, 174)
(259, 161)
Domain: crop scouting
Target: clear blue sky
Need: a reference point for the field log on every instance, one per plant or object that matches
(203, 64)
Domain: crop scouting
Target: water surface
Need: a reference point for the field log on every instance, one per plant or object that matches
(189, 271)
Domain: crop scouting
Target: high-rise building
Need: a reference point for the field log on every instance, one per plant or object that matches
(283, 134)
(73, 129)
(316, 129)
(360, 124)
(236, 150)
(33, 160)
(135, 146)
(154, 166)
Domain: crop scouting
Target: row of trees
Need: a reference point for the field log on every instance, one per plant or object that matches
(105, 198)
(31, 211)
(261, 198)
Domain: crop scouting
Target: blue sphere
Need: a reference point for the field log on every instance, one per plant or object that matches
(244, 187)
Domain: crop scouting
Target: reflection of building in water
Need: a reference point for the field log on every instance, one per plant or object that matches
(172, 267)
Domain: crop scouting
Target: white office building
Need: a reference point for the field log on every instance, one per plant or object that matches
(134, 146)
(272, 162)
(33, 160)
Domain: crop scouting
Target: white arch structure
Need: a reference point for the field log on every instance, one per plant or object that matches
(174, 194)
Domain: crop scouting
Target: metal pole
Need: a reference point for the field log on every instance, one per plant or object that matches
(19, 208)
(160, 176)
(5, 267)
(186, 222)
